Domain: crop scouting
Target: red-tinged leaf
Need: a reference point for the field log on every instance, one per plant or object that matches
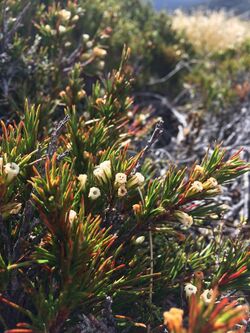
(20, 330)
(219, 307)
(227, 278)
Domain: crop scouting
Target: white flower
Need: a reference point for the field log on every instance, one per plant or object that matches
(72, 216)
(65, 14)
(190, 289)
(11, 170)
(94, 193)
(122, 191)
(207, 296)
(139, 240)
(184, 218)
(121, 178)
(61, 29)
(136, 180)
(82, 179)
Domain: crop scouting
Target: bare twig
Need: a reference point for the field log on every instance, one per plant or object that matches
(153, 139)
(181, 65)
(54, 136)
(151, 249)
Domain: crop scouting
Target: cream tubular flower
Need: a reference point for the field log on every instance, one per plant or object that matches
(106, 167)
(136, 180)
(196, 187)
(103, 171)
(210, 183)
(190, 289)
(120, 178)
(207, 296)
(94, 193)
(11, 170)
(82, 179)
(16, 209)
(99, 173)
(122, 191)
(198, 170)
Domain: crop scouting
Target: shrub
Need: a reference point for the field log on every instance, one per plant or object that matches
(92, 239)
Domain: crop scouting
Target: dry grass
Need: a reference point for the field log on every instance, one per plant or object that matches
(210, 32)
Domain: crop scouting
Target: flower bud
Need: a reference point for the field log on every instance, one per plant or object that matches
(101, 65)
(89, 44)
(67, 44)
(75, 18)
(99, 52)
(137, 209)
(72, 216)
(82, 179)
(11, 170)
(61, 29)
(184, 218)
(1, 165)
(85, 37)
(64, 14)
(198, 169)
(62, 94)
(139, 240)
(47, 28)
(81, 94)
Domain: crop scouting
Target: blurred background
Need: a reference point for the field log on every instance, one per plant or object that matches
(239, 6)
